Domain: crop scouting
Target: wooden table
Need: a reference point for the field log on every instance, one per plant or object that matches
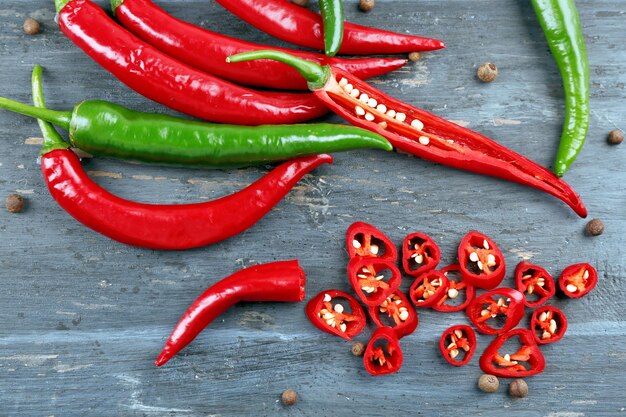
(83, 317)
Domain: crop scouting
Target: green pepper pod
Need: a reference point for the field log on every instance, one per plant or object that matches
(332, 20)
(561, 25)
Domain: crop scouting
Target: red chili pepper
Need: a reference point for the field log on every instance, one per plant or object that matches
(276, 281)
(420, 254)
(302, 27)
(501, 302)
(548, 325)
(383, 354)
(418, 132)
(165, 80)
(328, 314)
(535, 283)
(458, 340)
(526, 361)
(363, 239)
(192, 45)
(428, 288)
(578, 279)
(482, 263)
(373, 279)
(400, 313)
(454, 289)
(171, 226)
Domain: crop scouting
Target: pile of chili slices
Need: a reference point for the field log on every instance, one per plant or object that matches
(375, 279)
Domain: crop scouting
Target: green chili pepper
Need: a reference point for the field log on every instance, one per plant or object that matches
(332, 19)
(561, 25)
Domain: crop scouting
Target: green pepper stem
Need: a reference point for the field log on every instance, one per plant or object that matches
(51, 138)
(115, 4)
(315, 74)
(59, 118)
(60, 4)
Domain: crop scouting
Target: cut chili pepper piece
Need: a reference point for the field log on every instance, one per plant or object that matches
(328, 314)
(548, 325)
(458, 344)
(535, 283)
(399, 311)
(578, 280)
(420, 254)
(373, 279)
(481, 261)
(495, 305)
(428, 288)
(363, 239)
(456, 288)
(526, 361)
(383, 354)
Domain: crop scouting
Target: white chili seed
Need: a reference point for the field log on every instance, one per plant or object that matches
(343, 82)
(356, 244)
(327, 297)
(527, 276)
(485, 313)
(571, 288)
(338, 308)
(374, 249)
(362, 276)
(507, 357)
(404, 315)
(401, 117)
(330, 321)
(453, 293)
(586, 274)
(363, 98)
(391, 113)
(419, 258)
(355, 93)
(379, 277)
(343, 327)
(546, 335)
(382, 108)
(424, 140)
(458, 333)
(360, 111)
(479, 265)
(553, 326)
(372, 103)
(491, 260)
(454, 353)
(451, 346)
(485, 244)
(348, 88)
(383, 124)
(417, 124)
(530, 289)
(473, 257)
(369, 117)
(543, 316)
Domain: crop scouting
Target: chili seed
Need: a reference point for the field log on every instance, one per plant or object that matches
(487, 72)
(518, 388)
(289, 397)
(414, 56)
(616, 137)
(488, 383)
(366, 5)
(595, 227)
(303, 3)
(31, 26)
(357, 349)
(417, 124)
(14, 203)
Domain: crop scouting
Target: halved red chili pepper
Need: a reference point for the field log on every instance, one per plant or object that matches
(535, 283)
(578, 279)
(373, 279)
(383, 354)
(482, 263)
(363, 239)
(526, 361)
(418, 132)
(420, 254)
(428, 288)
(548, 324)
(399, 310)
(505, 303)
(455, 289)
(458, 340)
(328, 314)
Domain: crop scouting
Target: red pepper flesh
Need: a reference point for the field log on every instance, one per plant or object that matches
(527, 361)
(578, 280)
(548, 325)
(363, 239)
(420, 254)
(373, 279)
(454, 289)
(501, 302)
(276, 281)
(481, 261)
(383, 354)
(428, 288)
(534, 281)
(331, 317)
(458, 340)
(398, 309)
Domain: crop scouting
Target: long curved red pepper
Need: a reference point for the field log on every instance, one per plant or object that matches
(172, 226)
(302, 27)
(174, 84)
(276, 281)
(208, 50)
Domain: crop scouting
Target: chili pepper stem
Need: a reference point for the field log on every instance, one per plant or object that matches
(60, 4)
(59, 118)
(51, 138)
(115, 4)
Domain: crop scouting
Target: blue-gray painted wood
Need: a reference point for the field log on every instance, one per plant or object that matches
(83, 317)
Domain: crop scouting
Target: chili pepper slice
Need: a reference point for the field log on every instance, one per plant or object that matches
(535, 283)
(172, 83)
(481, 261)
(561, 25)
(373, 279)
(192, 45)
(328, 314)
(548, 325)
(501, 303)
(428, 288)
(578, 280)
(420, 254)
(363, 239)
(302, 27)
(458, 340)
(418, 132)
(454, 290)
(383, 354)
(276, 281)
(399, 311)
(526, 361)
(332, 22)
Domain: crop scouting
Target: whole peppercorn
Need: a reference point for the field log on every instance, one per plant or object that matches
(302, 3)
(14, 203)
(518, 388)
(616, 137)
(366, 5)
(31, 26)
(487, 72)
(595, 227)
(414, 56)
(289, 397)
(358, 349)
(488, 383)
